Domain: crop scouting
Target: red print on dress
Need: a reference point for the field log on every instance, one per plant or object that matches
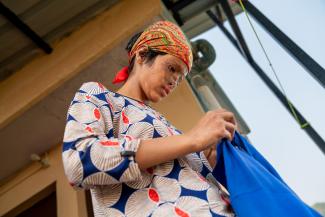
(153, 195)
(89, 129)
(100, 86)
(181, 213)
(109, 143)
(125, 118)
(150, 170)
(97, 113)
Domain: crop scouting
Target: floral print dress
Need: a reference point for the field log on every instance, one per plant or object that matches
(102, 134)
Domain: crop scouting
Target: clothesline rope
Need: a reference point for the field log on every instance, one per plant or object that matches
(302, 125)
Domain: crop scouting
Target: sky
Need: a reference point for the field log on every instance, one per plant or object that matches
(273, 131)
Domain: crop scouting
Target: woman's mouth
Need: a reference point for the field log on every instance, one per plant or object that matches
(165, 91)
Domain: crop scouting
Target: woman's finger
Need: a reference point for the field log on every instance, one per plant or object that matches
(227, 135)
(230, 127)
(228, 116)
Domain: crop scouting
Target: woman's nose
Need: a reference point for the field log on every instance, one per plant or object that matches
(176, 77)
(172, 83)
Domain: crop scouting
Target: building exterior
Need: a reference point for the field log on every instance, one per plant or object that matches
(36, 88)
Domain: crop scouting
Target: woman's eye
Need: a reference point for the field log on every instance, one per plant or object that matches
(172, 69)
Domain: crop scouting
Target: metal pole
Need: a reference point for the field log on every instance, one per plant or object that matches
(231, 18)
(291, 47)
(309, 129)
(14, 19)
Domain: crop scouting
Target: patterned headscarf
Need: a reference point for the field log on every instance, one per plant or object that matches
(163, 36)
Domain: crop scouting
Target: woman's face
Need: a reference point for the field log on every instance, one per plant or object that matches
(162, 77)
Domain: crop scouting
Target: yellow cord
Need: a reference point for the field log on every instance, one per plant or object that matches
(302, 125)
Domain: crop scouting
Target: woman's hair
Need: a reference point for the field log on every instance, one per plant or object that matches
(150, 56)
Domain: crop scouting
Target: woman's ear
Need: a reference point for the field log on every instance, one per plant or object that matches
(141, 55)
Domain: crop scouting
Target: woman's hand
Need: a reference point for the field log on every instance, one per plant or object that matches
(211, 128)
(211, 155)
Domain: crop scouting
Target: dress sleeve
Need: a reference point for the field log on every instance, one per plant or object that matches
(91, 155)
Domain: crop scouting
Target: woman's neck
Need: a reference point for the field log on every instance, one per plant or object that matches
(133, 91)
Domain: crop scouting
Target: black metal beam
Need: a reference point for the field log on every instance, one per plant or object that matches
(14, 19)
(176, 7)
(167, 3)
(299, 54)
(218, 12)
(223, 29)
(179, 5)
(308, 129)
(233, 23)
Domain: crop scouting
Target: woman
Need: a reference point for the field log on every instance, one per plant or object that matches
(135, 162)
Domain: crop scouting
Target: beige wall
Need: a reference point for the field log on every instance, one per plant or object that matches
(72, 54)
(30, 185)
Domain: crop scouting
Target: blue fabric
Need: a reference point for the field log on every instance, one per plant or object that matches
(255, 188)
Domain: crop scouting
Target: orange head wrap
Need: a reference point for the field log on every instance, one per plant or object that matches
(163, 36)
